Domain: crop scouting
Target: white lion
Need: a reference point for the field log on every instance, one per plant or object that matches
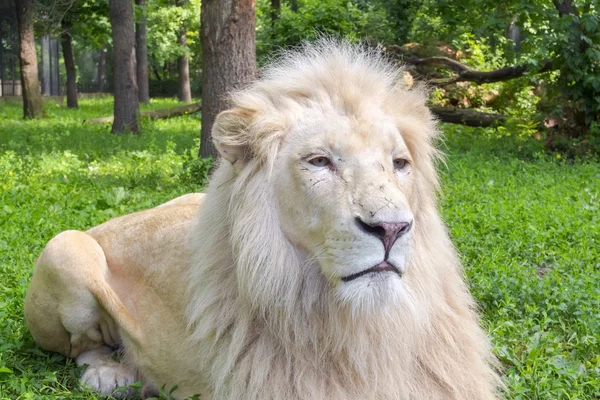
(315, 267)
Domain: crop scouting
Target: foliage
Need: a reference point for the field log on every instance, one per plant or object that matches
(89, 24)
(86, 20)
(574, 101)
(344, 18)
(398, 14)
(164, 23)
(487, 35)
(571, 100)
(527, 226)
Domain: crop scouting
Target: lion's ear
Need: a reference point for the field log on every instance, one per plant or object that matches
(229, 135)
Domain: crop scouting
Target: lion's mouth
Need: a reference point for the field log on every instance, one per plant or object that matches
(383, 266)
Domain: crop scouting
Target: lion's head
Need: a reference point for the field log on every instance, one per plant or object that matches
(343, 151)
(320, 237)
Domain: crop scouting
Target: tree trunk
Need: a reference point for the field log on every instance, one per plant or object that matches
(45, 45)
(295, 5)
(101, 79)
(54, 68)
(185, 93)
(71, 71)
(183, 64)
(275, 9)
(565, 8)
(156, 73)
(141, 54)
(33, 107)
(229, 57)
(127, 107)
(1, 64)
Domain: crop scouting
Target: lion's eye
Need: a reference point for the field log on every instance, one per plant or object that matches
(320, 161)
(400, 163)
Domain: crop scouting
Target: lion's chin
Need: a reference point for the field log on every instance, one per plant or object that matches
(372, 291)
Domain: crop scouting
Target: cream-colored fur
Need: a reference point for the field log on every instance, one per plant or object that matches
(255, 291)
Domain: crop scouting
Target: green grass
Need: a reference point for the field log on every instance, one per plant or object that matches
(60, 173)
(527, 226)
(529, 235)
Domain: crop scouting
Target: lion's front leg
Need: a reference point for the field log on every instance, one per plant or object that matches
(70, 308)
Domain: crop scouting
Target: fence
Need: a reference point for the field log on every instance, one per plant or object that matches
(10, 87)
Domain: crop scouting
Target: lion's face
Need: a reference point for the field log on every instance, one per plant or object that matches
(344, 186)
(335, 156)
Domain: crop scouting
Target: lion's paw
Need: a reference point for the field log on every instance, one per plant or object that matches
(103, 374)
(107, 377)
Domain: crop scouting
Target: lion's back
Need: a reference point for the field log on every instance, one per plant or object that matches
(147, 244)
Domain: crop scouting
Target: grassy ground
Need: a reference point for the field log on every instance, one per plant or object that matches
(528, 228)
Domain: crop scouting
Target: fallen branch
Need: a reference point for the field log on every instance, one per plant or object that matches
(157, 114)
(467, 117)
(465, 73)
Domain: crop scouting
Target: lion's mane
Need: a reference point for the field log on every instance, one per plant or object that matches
(265, 320)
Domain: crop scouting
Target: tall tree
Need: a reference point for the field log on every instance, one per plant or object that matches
(33, 107)
(45, 64)
(83, 21)
(127, 106)
(229, 57)
(101, 74)
(183, 63)
(185, 93)
(67, 48)
(141, 53)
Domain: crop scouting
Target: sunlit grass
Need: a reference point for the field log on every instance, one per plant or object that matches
(527, 226)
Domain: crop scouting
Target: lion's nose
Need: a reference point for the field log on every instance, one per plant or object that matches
(388, 232)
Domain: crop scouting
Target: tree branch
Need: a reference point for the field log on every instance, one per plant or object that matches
(565, 7)
(467, 117)
(465, 73)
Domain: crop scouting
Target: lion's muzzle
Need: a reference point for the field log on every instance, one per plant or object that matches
(387, 232)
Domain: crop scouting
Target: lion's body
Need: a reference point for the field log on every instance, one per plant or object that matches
(133, 257)
(260, 289)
